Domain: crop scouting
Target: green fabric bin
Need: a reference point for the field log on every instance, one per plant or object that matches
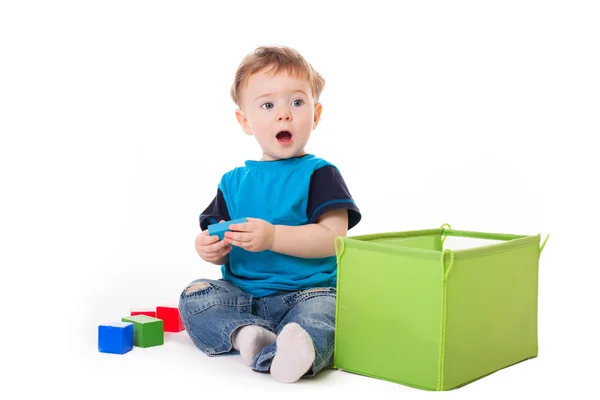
(412, 311)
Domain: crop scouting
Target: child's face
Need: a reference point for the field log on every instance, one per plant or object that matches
(279, 110)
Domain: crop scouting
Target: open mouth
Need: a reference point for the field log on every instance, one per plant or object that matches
(284, 137)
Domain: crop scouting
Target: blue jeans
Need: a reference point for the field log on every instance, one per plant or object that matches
(211, 310)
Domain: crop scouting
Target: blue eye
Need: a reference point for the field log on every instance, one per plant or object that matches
(297, 103)
(267, 106)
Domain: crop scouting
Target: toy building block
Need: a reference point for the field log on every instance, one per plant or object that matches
(115, 337)
(170, 316)
(143, 311)
(220, 228)
(147, 331)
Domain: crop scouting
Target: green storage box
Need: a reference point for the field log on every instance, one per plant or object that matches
(412, 311)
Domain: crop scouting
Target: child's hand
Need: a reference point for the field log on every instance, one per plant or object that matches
(210, 248)
(254, 235)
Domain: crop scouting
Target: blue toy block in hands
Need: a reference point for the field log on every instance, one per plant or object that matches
(220, 228)
(116, 337)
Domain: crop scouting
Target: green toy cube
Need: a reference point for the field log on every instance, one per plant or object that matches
(412, 311)
(147, 331)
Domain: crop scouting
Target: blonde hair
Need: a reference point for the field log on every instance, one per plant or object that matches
(279, 58)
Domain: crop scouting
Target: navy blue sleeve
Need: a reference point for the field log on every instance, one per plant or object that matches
(328, 191)
(215, 212)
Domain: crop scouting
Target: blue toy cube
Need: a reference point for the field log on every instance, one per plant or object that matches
(221, 228)
(115, 337)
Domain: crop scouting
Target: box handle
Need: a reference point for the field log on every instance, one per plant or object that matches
(340, 246)
(447, 251)
(544, 243)
(443, 228)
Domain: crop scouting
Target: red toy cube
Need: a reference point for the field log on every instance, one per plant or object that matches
(143, 311)
(171, 318)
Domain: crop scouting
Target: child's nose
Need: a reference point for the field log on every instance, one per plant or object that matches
(284, 115)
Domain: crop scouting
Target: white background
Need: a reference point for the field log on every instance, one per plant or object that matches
(117, 124)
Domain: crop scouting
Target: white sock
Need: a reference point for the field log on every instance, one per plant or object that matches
(295, 354)
(251, 339)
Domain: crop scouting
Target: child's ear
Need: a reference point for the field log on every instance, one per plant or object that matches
(317, 118)
(243, 121)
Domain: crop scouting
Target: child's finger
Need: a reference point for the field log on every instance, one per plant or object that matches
(220, 253)
(205, 240)
(239, 227)
(208, 246)
(237, 243)
(226, 251)
(240, 237)
(217, 247)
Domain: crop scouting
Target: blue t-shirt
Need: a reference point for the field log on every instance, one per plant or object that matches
(294, 191)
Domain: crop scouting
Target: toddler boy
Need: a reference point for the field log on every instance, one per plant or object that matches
(275, 303)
